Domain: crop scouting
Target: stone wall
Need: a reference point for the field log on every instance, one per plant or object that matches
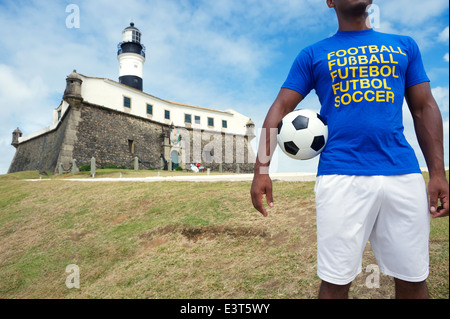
(116, 138)
(214, 150)
(39, 153)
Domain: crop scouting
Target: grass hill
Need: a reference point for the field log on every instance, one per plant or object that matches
(170, 240)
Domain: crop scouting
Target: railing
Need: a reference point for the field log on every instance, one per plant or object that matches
(120, 50)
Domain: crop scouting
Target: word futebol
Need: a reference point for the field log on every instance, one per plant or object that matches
(246, 308)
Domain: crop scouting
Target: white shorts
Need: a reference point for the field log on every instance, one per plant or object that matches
(389, 211)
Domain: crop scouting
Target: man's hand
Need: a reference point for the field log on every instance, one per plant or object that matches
(285, 102)
(438, 189)
(429, 130)
(262, 185)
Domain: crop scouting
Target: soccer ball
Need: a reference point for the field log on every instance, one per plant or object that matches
(302, 134)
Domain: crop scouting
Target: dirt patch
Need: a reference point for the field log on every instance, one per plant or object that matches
(280, 238)
(77, 236)
(155, 243)
(119, 219)
(211, 232)
(194, 234)
(160, 231)
(145, 204)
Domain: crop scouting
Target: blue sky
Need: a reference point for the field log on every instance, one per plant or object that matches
(220, 54)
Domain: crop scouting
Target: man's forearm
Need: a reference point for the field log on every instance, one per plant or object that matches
(429, 131)
(285, 102)
(428, 125)
(267, 143)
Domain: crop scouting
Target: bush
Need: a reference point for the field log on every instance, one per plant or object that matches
(179, 168)
(110, 166)
(85, 168)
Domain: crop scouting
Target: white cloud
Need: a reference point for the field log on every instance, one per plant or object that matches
(20, 96)
(418, 19)
(21, 104)
(412, 13)
(441, 95)
(443, 36)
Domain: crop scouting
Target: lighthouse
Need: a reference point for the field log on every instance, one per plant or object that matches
(131, 56)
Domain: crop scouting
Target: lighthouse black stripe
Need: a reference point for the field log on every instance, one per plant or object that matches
(131, 80)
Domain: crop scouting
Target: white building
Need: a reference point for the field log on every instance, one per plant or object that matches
(120, 97)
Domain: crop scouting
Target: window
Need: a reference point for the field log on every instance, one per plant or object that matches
(188, 118)
(127, 102)
(210, 121)
(136, 36)
(167, 114)
(59, 115)
(149, 109)
(131, 146)
(224, 124)
(197, 119)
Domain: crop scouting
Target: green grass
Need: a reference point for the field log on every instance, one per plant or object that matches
(169, 240)
(105, 173)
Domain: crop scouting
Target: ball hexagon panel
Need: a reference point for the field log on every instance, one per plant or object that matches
(303, 139)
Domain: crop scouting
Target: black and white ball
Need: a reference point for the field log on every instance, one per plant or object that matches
(302, 134)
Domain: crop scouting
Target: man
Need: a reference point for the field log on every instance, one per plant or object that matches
(369, 185)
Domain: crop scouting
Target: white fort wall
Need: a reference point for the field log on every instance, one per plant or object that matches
(110, 94)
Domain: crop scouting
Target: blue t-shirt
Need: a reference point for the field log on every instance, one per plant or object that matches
(360, 78)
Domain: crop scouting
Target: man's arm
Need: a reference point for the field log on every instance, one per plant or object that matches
(428, 125)
(285, 102)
